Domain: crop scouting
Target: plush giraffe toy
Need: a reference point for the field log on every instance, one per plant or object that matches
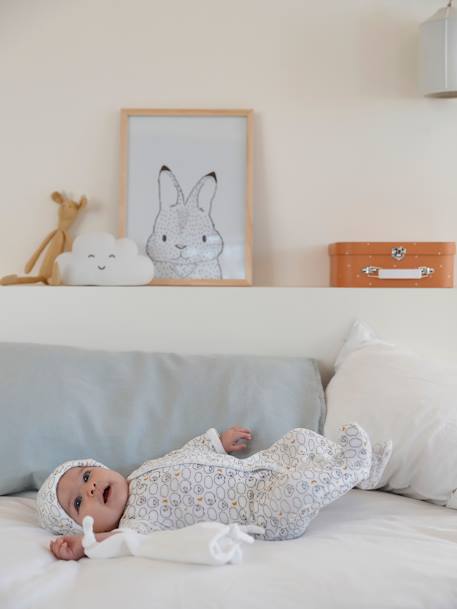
(57, 241)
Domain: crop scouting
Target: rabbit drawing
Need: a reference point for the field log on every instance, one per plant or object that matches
(184, 243)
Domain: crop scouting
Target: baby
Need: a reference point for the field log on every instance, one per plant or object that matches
(280, 489)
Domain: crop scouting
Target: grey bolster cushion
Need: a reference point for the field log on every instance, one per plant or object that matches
(122, 408)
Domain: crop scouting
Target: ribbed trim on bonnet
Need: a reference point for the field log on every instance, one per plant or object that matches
(51, 514)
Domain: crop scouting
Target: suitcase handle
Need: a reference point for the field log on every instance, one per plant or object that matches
(419, 273)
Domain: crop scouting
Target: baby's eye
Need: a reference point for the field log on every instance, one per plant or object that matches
(77, 504)
(204, 238)
(91, 256)
(111, 256)
(86, 476)
(164, 237)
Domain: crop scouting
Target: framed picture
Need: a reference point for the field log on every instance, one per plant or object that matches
(186, 193)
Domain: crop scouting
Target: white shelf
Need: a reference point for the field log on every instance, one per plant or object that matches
(262, 320)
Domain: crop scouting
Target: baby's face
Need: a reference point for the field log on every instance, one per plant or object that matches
(93, 491)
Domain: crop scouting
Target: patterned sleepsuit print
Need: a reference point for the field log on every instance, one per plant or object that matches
(280, 489)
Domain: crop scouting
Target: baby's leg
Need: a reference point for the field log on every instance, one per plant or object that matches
(294, 447)
(356, 453)
(356, 448)
(285, 508)
(381, 454)
(304, 448)
(295, 497)
(343, 465)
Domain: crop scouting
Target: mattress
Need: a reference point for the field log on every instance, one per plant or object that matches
(367, 550)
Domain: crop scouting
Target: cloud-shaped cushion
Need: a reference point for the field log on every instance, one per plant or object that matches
(101, 259)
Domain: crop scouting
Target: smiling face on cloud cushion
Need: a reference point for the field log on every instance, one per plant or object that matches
(100, 259)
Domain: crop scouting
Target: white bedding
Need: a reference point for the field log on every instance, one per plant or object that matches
(368, 550)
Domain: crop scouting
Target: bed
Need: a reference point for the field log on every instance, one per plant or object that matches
(369, 549)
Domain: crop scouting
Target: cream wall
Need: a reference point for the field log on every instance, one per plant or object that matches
(345, 146)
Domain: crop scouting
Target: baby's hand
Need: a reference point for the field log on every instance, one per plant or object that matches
(231, 437)
(68, 547)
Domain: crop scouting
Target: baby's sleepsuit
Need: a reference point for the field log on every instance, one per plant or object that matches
(280, 489)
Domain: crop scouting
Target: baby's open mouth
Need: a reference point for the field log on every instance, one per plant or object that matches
(106, 493)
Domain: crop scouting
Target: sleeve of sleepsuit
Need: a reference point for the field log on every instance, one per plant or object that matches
(209, 442)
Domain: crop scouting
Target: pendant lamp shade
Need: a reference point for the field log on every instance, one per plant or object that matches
(439, 53)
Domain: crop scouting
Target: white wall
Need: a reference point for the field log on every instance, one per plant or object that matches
(345, 146)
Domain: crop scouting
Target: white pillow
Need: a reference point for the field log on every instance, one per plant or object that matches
(398, 395)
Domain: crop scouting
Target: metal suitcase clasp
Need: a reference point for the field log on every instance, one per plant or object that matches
(398, 252)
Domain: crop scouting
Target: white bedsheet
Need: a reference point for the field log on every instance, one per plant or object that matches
(369, 550)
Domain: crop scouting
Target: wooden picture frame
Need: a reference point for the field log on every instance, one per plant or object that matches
(186, 193)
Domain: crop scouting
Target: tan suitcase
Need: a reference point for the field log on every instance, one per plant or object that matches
(392, 265)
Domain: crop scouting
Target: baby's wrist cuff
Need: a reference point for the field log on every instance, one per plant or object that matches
(215, 440)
